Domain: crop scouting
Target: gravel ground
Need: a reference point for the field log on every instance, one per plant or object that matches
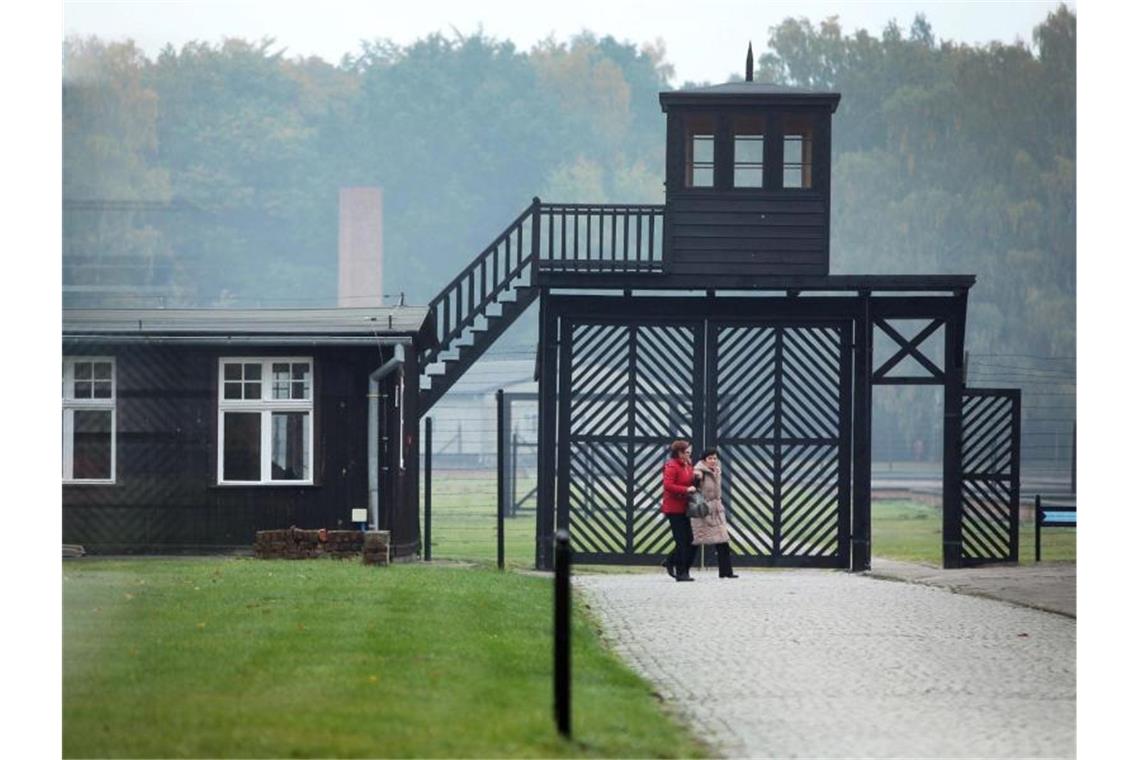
(824, 664)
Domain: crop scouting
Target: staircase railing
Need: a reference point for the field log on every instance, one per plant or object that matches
(467, 296)
(572, 237)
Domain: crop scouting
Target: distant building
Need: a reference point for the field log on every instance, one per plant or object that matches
(464, 420)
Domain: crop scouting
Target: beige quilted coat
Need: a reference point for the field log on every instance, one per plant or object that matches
(712, 529)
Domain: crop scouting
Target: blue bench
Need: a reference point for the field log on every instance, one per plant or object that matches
(1047, 516)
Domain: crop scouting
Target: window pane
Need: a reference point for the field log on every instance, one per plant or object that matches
(252, 390)
(703, 149)
(700, 150)
(748, 176)
(798, 132)
(103, 389)
(749, 150)
(232, 371)
(242, 446)
(702, 176)
(83, 370)
(91, 445)
(253, 372)
(102, 370)
(281, 374)
(290, 455)
(301, 380)
(83, 390)
(233, 390)
(793, 150)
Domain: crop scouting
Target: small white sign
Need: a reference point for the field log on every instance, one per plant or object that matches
(359, 515)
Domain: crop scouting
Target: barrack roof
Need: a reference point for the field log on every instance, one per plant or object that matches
(329, 325)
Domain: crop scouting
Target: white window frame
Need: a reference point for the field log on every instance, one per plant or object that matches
(266, 405)
(72, 405)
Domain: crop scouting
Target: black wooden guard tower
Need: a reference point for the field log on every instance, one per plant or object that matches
(715, 318)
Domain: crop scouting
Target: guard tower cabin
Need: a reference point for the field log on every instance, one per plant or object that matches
(747, 180)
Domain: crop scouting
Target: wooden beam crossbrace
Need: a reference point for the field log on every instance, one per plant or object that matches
(908, 348)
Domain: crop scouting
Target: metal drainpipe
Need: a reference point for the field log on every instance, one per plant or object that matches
(374, 379)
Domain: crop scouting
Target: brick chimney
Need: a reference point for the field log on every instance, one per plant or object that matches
(360, 248)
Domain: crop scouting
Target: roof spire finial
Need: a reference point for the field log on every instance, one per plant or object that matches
(748, 64)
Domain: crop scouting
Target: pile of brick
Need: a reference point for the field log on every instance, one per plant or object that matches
(295, 543)
(376, 544)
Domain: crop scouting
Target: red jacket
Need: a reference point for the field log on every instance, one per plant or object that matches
(676, 480)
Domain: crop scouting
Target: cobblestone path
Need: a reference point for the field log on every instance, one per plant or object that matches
(811, 663)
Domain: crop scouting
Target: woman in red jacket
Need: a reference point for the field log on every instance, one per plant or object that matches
(677, 481)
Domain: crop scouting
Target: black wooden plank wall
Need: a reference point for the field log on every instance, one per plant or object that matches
(780, 233)
(166, 495)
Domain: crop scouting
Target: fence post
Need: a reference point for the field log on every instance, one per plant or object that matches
(500, 465)
(562, 631)
(1037, 528)
(427, 489)
(513, 490)
(535, 237)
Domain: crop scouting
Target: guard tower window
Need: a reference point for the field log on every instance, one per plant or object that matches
(700, 139)
(748, 151)
(797, 152)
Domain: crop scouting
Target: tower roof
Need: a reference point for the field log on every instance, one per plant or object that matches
(748, 93)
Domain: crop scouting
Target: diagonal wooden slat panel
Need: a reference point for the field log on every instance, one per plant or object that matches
(746, 390)
(811, 393)
(599, 379)
(651, 532)
(989, 452)
(664, 381)
(748, 497)
(810, 509)
(597, 497)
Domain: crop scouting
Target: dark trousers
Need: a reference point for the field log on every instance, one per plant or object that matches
(723, 559)
(681, 557)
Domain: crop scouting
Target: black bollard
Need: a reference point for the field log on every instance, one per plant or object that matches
(501, 474)
(562, 632)
(427, 489)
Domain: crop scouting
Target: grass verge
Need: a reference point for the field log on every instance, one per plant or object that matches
(910, 531)
(249, 658)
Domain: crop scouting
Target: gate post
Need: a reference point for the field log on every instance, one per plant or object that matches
(861, 433)
(547, 411)
(952, 436)
(427, 489)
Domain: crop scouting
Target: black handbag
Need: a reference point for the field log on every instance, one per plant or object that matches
(697, 506)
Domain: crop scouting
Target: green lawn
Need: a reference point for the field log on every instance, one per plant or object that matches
(464, 520)
(912, 532)
(251, 658)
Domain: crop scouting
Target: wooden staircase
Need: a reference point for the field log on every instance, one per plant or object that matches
(478, 306)
(493, 291)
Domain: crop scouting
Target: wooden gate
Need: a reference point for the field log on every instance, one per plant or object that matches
(773, 396)
(780, 414)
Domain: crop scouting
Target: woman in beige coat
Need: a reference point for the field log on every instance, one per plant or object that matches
(713, 528)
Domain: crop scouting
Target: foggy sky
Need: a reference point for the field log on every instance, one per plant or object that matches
(707, 44)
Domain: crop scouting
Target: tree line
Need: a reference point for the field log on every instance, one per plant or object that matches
(211, 172)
